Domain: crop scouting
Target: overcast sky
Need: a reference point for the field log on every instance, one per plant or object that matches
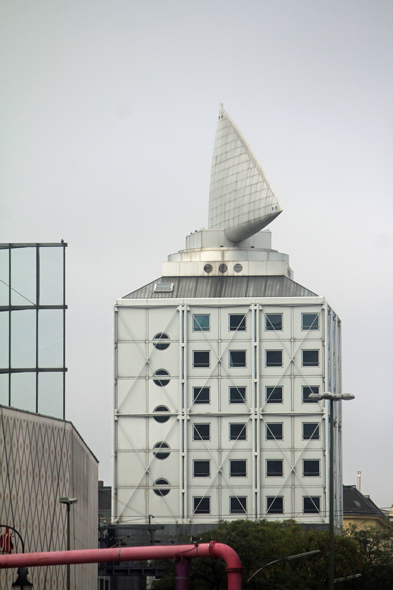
(108, 114)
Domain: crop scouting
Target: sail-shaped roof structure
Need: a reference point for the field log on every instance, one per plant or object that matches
(242, 201)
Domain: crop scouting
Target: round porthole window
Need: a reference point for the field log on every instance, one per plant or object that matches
(160, 377)
(161, 341)
(238, 268)
(161, 487)
(208, 268)
(161, 450)
(161, 410)
(223, 268)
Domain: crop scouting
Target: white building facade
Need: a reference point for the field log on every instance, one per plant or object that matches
(214, 363)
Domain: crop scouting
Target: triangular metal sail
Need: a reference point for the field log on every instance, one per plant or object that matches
(241, 202)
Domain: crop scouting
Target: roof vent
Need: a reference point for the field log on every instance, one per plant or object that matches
(163, 287)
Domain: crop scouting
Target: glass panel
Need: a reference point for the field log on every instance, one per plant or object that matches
(50, 338)
(201, 358)
(201, 505)
(273, 321)
(238, 468)
(51, 276)
(274, 468)
(237, 395)
(201, 395)
(4, 319)
(274, 395)
(274, 431)
(275, 505)
(311, 468)
(201, 468)
(4, 389)
(23, 330)
(274, 358)
(23, 391)
(311, 505)
(201, 323)
(237, 432)
(50, 394)
(306, 393)
(310, 321)
(310, 358)
(238, 505)
(237, 358)
(201, 431)
(310, 431)
(23, 276)
(237, 322)
(4, 277)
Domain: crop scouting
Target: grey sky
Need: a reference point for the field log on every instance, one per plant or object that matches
(108, 115)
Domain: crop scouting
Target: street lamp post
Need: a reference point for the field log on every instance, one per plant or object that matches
(333, 397)
(68, 502)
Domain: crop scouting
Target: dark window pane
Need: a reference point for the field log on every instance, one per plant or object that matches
(310, 431)
(275, 505)
(201, 468)
(201, 358)
(201, 505)
(310, 358)
(306, 393)
(311, 505)
(201, 431)
(160, 377)
(161, 450)
(237, 432)
(310, 321)
(161, 410)
(201, 323)
(311, 468)
(238, 505)
(238, 469)
(274, 358)
(161, 487)
(273, 321)
(237, 358)
(237, 322)
(237, 395)
(161, 341)
(273, 431)
(201, 395)
(274, 395)
(274, 468)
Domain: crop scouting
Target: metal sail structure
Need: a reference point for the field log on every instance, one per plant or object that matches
(242, 201)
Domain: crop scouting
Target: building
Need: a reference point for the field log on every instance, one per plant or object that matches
(214, 364)
(361, 511)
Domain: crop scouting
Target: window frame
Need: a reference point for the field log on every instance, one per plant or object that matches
(311, 327)
(199, 461)
(195, 429)
(242, 326)
(269, 327)
(310, 474)
(237, 366)
(197, 501)
(274, 474)
(243, 400)
(200, 366)
(274, 499)
(273, 437)
(243, 506)
(199, 389)
(243, 430)
(200, 328)
(312, 388)
(315, 431)
(310, 364)
(231, 461)
(273, 365)
(316, 509)
(269, 398)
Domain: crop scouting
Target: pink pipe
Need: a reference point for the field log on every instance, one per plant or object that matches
(213, 550)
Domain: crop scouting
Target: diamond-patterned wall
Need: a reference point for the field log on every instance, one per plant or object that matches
(42, 459)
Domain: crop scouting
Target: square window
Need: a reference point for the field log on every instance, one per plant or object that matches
(274, 431)
(275, 505)
(237, 322)
(274, 395)
(201, 323)
(237, 468)
(201, 432)
(274, 468)
(201, 505)
(306, 393)
(238, 505)
(310, 321)
(310, 358)
(311, 505)
(237, 358)
(201, 358)
(274, 358)
(237, 432)
(273, 321)
(201, 395)
(310, 431)
(237, 395)
(311, 468)
(202, 468)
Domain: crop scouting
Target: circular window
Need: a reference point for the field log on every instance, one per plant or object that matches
(161, 487)
(161, 418)
(223, 268)
(208, 268)
(238, 268)
(161, 450)
(160, 341)
(159, 377)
